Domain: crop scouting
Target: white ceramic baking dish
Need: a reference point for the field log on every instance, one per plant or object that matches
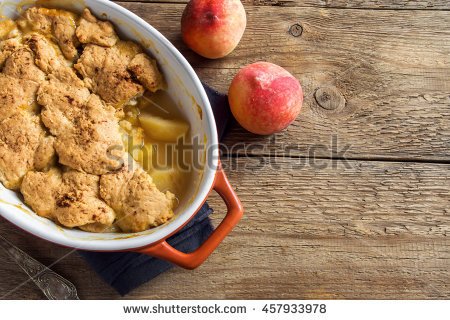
(186, 89)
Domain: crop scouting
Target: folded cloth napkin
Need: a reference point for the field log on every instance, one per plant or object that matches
(125, 271)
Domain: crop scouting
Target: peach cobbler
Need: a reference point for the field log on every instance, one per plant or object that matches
(80, 121)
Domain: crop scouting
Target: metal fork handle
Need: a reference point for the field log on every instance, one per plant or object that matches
(54, 286)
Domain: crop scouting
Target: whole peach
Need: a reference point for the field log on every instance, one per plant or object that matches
(213, 28)
(265, 98)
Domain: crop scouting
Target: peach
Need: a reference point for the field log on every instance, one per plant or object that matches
(265, 98)
(213, 28)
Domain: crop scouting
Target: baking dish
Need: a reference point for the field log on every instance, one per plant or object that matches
(186, 89)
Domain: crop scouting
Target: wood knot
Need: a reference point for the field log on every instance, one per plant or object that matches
(296, 30)
(330, 98)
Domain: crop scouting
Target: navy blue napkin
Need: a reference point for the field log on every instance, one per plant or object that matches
(125, 271)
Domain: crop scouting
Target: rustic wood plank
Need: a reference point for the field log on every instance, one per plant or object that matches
(392, 68)
(361, 4)
(372, 230)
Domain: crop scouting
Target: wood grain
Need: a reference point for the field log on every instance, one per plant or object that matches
(373, 230)
(314, 227)
(392, 68)
(361, 4)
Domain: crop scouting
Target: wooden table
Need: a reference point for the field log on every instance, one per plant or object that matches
(353, 200)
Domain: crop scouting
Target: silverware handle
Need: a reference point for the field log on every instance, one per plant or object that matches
(54, 286)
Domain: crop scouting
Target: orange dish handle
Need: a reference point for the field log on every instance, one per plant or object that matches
(165, 251)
